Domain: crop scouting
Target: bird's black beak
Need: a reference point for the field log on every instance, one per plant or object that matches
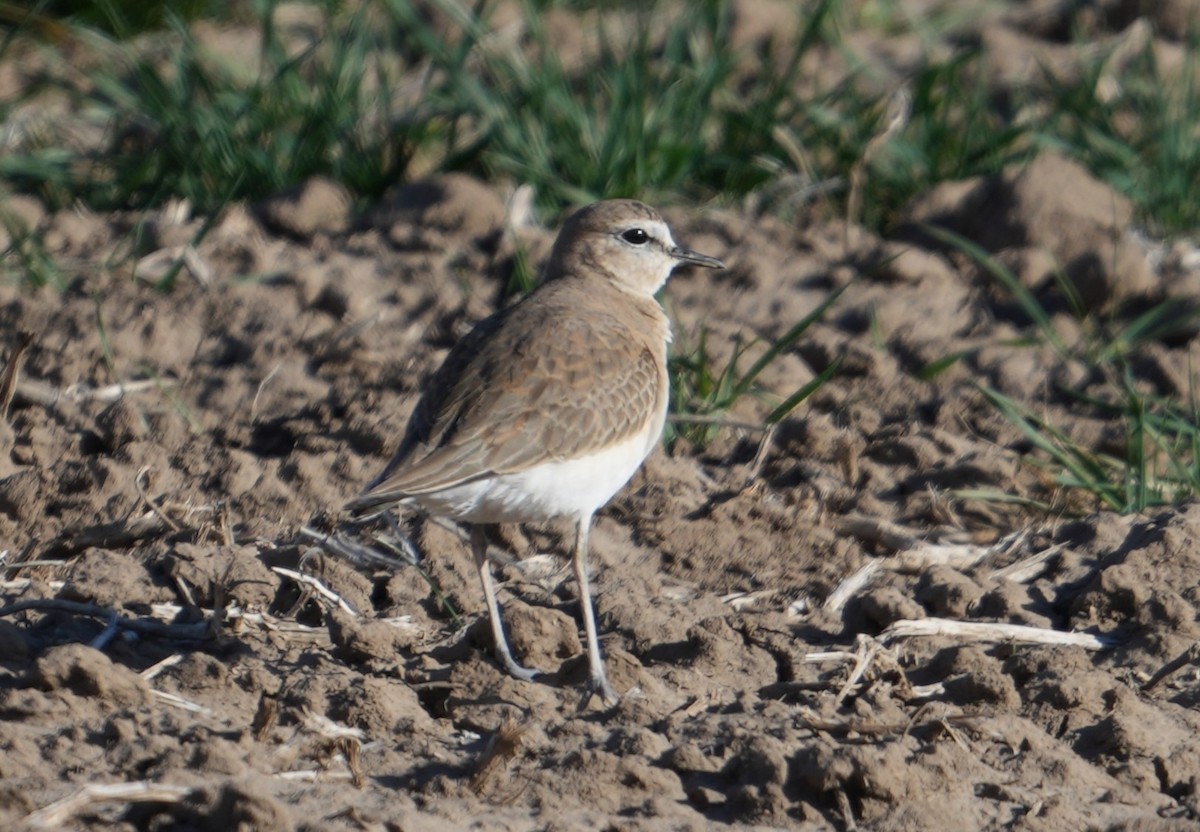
(686, 255)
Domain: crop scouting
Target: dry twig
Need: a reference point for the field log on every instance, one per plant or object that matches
(45, 395)
(180, 702)
(874, 530)
(847, 813)
(866, 650)
(262, 385)
(12, 369)
(500, 750)
(140, 481)
(1029, 568)
(56, 815)
(323, 726)
(899, 108)
(1188, 656)
(312, 775)
(264, 716)
(985, 631)
(352, 750)
(170, 661)
(119, 534)
(852, 585)
(318, 587)
(356, 552)
(142, 626)
(107, 634)
(760, 456)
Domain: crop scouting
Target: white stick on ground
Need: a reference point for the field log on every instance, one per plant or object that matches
(143, 791)
(321, 589)
(852, 585)
(985, 631)
(180, 702)
(1030, 568)
(40, 393)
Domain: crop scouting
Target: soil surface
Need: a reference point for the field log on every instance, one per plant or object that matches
(164, 450)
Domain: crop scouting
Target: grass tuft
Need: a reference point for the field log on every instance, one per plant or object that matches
(706, 394)
(184, 124)
(663, 107)
(1160, 436)
(1139, 137)
(26, 262)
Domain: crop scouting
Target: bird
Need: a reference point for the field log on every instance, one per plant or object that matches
(545, 409)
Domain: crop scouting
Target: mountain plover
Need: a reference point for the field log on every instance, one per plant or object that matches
(548, 407)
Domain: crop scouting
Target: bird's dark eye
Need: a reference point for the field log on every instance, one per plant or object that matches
(635, 236)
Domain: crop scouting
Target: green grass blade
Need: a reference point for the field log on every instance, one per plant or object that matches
(786, 341)
(791, 402)
(1028, 303)
(1086, 470)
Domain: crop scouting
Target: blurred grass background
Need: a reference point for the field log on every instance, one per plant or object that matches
(651, 100)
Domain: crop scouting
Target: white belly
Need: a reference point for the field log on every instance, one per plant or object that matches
(565, 488)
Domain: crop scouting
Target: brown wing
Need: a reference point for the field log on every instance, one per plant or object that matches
(535, 383)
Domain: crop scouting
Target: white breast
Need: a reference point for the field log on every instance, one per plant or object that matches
(562, 488)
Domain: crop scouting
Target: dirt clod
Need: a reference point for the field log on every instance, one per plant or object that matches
(83, 671)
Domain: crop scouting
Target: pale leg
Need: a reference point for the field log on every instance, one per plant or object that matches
(479, 547)
(597, 678)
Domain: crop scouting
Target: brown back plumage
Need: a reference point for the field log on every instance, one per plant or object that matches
(573, 368)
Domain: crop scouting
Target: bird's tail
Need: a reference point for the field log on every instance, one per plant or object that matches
(371, 504)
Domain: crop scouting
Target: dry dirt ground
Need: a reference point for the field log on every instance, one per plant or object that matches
(186, 647)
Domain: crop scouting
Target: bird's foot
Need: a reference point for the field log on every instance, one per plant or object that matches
(599, 686)
(515, 670)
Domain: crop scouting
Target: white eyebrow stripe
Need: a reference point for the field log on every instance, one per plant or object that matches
(658, 231)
